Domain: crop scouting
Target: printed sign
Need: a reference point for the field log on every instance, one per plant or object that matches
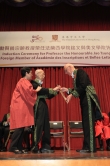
(55, 48)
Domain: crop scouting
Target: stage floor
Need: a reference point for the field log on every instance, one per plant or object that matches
(58, 154)
(58, 158)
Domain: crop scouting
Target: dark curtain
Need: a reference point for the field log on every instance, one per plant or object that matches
(62, 17)
(48, 3)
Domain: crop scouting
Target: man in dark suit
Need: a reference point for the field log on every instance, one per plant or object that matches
(42, 126)
(4, 132)
(88, 101)
(1, 136)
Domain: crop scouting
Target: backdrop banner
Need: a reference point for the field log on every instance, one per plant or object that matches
(54, 48)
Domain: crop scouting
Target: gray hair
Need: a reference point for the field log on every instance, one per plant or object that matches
(37, 72)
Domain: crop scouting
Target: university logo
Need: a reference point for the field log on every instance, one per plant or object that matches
(55, 37)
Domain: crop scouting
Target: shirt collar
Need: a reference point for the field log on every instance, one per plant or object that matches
(39, 81)
(72, 75)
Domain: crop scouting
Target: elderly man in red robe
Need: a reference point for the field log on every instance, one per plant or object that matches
(21, 109)
(102, 131)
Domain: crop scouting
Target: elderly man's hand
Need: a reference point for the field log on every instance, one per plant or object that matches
(38, 88)
(57, 88)
(68, 98)
(63, 89)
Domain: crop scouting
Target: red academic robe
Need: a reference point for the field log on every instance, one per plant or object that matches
(106, 127)
(98, 128)
(22, 102)
(102, 127)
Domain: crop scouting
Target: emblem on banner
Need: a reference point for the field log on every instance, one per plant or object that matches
(36, 38)
(54, 37)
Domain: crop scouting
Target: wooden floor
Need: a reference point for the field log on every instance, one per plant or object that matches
(58, 158)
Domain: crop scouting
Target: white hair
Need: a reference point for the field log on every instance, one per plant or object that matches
(68, 64)
(37, 72)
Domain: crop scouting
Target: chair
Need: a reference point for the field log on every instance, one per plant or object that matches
(57, 130)
(74, 130)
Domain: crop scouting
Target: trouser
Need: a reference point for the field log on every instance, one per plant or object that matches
(16, 139)
(43, 127)
(1, 137)
(100, 141)
(6, 133)
(88, 122)
(27, 141)
(108, 142)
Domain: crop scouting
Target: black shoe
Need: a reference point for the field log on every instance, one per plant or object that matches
(17, 151)
(27, 149)
(78, 150)
(35, 150)
(84, 151)
(46, 150)
(100, 149)
(24, 151)
(3, 149)
(108, 148)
